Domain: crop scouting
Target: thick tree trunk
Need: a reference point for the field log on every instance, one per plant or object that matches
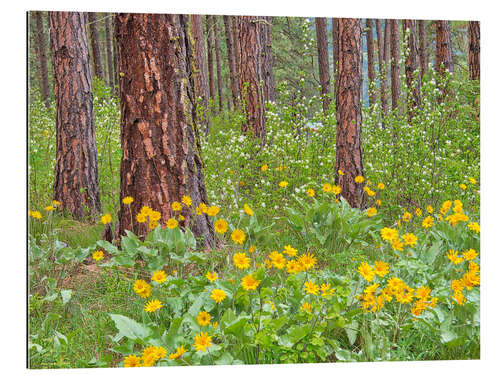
(201, 74)
(335, 44)
(323, 66)
(76, 183)
(265, 24)
(210, 60)
(444, 61)
(349, 157)
(474, 50)
(422, 39)
(94, 40)
(251, 75)
(200, 224)
(109, 52)
(385, 75)
(231, 60)
(41, 49)
(395, 68)
(217, 64)
(412, 63)
(371, 63)
(154, 130)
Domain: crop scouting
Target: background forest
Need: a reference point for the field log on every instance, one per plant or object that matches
(242, 189)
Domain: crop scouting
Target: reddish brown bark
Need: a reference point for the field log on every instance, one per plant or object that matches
(109, 53)
(41, 49)
(265, 24)
(371, 64)
(474, 50)
(412, 63)
(231, 60)
(76, 183)
(335, 44)
(422, 39)
(385, 75)
(251, 75)
(201, 74)
(349, 157)
(323, 66)
(217, 63)
(444, 59)
(94, 41)
(210, 60)
(395, 68)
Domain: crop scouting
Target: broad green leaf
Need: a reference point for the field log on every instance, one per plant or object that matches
(129, 327)
(66, 295)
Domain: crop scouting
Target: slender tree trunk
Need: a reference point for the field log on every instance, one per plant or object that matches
(217, 63)
(265, 24)
(251, 75)
(42, 59)
(371, 58)
(412, 63)
(380, 56)
(349, 157)
(109, 52)
(474, 50)
(385, 75)
(231, 60)
(154, 129)
(210, 60)
(335, 44)
(323, 65)
(201, 76)
(395, 68)
(94, 39)
(422, 38)
(76, 183)
(444, 61)
(200, 224)
(116, 76)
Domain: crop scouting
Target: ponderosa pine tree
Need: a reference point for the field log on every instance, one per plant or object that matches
(444, 61)
(210, 59)
(395, 68)
(422, 50)
(385, 75)
(201, 74)
(349, 156)
(335, 45)
(265, 24)
(109, 53)
(323, 66)
(474, 50)
(94, 41)
(41, 49)
(231, 60)
(370, 55)
(412, 64)
(154, 131)
(76, 183)
(217, 63)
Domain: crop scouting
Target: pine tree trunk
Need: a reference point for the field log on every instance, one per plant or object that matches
(251, 75)
(210, 60)
(42, 59)
(444, 60)
(323, 65)
(94, 40)
(217, 64)
(154, 131)
(335, 45)
(231, 60)
(349, 157)
(385, 75)
(422, 38)
(265, 24)
(116, 75)
(109, 52)
(76, 183)
(395, 68)
(380, 56)
(201, 74)
(371, 63)
(474, 50)
(412, 63)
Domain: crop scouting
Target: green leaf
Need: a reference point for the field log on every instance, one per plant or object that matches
(236, 326)
(66, 295)
(351, 330)
(173, 331)
(297, 333)
(447, 336)
(225, 359)
(129, 327)
(110, 248)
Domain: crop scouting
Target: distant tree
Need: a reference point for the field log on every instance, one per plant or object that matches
(41, 49)
(444, 61)
(265, 24)
(116, 75)
(474, 50)
(412, 64)
(324, 74)
(370, 54)
(76, 183)
(349, 156)
(422, 39)
(231, 60)
(201, 74)
(218, 63)
(154, 129)
(210, 59)
(335, 44)
(251, 74)
(385, 75)
(94, 40)
(395, 68)
(236, 44)
(109, 52)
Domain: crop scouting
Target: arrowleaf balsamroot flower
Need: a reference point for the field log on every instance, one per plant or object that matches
(470, 254)
(142, 288)
(186, 199)
(127, 200)
(290, 251)
(381, 268)
(132, 361)
(359, 179)
(428, 222)
(220, 226)
(336, 189)
(371, 211)
(307, 261)
(327, 187)
(311, 288)
(389, 234)
(310, 192)
(203, 318)
(159, 276)
(179, 352)
(306, 307)
(241, 261)
(202, 341)
(249, 283)
(211, 276)
(410, 239)
(283, 184)
(172, 223)
(366, 271)
(238, 236)
(97, 255)
(153, 305)
(218, 295)
(213, 210)
(247, 209)
(106, 219)
(176, 206)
